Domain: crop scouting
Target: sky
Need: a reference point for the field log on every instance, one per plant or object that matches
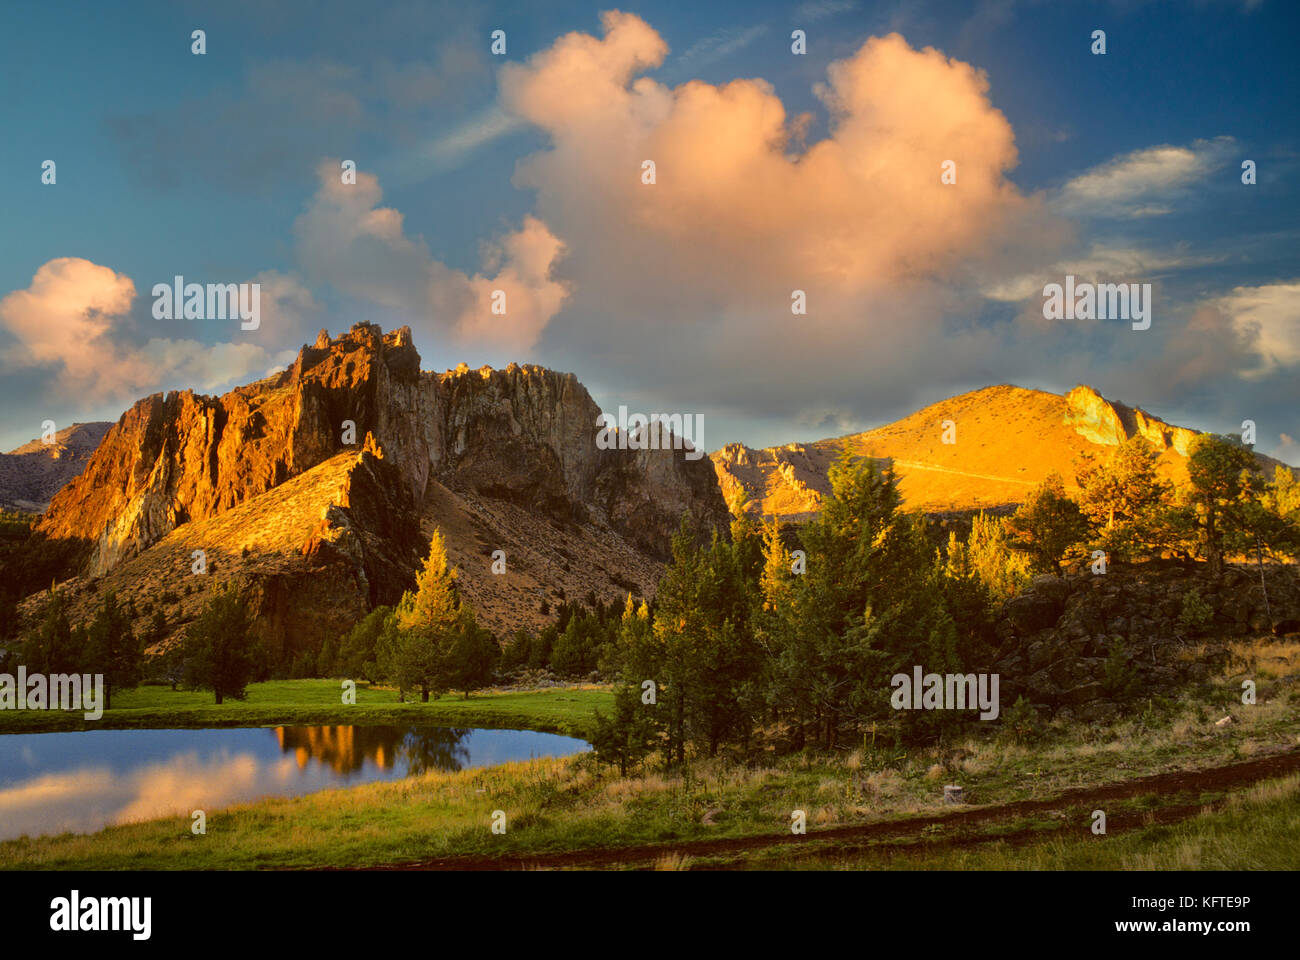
(523, 173)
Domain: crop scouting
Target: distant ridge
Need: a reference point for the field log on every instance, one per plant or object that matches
(32, 474)
(1007, 439)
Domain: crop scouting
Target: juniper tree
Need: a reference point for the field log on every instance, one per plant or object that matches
(1048, 525)
(112, 649)
(219, 650)
(1124, 497)
(626, 736)
(470, 657)
(423, 626)
(1222, 480)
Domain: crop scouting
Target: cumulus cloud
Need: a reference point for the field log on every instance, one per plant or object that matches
(347, 239)
(73, 322)
(732, 210)
(686, 284)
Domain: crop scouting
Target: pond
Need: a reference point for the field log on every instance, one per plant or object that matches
(81, 782)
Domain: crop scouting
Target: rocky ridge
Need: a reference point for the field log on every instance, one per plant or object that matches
(1057, 636)
(1006, 439)
(337, 469)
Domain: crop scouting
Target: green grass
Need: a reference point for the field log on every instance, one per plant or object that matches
(573, 804)
(566, 710)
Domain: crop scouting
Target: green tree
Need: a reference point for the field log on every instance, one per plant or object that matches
(112, 649)
(628, 735)
(1223, 479)
(358, 651)
(432, 643)
(472, 656)
(1004, 571)
(1048, 525)
(577, 648)
(220, 654)
(1124, 497)
(56, 647)
(424, 626)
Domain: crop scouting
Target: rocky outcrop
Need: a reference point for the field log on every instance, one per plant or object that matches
(524, 434)
(339, 467)
(32, 474)
(1094, 417)
(1057, 637)
(1111, 423)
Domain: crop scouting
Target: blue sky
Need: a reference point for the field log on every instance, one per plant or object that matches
(1126, 167)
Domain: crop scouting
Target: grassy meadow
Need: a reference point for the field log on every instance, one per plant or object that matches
(566, 710)
(574, 804)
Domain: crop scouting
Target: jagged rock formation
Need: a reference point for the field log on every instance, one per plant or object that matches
(1057, 636)
(316, 490)
(32, 474)
(1007, 439)
(1110, 423)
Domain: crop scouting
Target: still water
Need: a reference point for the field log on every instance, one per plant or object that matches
(82, 782)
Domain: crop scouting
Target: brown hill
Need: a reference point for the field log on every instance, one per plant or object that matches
(317, 530)
(1006, 440)
(32, 474)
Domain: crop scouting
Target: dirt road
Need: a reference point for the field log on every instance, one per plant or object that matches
(1194, 783)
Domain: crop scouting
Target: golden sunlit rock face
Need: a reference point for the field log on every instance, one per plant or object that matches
(315, 491)
(1005, 440)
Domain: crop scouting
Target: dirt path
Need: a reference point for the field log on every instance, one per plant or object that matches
(1216, 779)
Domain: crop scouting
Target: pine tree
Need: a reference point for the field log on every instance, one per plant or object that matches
(112, 649)
(1048, 525)
(629, 734)
(471, 656)
(219, 651)
(1222, 481)
(55, 648)
(423, 628)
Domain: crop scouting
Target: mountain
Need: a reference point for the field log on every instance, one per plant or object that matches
(316, 490)
(32, 474)
(1006, 439)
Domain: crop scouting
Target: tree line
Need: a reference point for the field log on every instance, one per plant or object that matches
(747, 638)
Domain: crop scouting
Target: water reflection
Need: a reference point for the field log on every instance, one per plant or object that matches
(81, 782)
(346, 750)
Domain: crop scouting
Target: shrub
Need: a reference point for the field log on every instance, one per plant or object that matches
(1122, 681)
(1196, 612)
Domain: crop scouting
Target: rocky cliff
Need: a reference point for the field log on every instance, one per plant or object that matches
(337, 469)
(1110, 423)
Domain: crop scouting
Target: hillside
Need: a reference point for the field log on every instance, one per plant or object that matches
(1006, 440)
(32, 474)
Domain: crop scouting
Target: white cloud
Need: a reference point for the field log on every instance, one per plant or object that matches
(1270, 316)
(1145, 183)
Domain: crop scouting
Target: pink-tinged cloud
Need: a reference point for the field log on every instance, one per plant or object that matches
(737, 212)
(60, 318)
(74, 320)
(345, 238)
